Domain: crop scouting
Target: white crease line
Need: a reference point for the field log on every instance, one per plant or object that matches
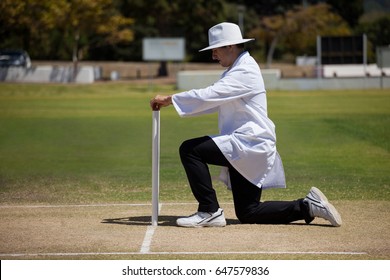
(72, 205)
(96, 205)
(182, 253)
(145, 247)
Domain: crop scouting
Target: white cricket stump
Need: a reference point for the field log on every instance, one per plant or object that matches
(155, 166)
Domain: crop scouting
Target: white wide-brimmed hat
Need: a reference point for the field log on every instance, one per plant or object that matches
(224, 34)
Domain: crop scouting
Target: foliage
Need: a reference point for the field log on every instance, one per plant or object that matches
(377, 28)
(55, 29)
(349, 10)
(296, 30)
(164, 18)
(114, 29)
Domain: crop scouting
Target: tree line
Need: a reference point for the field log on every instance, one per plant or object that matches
(114, 29)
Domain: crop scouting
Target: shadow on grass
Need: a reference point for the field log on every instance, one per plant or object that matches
(146, 221)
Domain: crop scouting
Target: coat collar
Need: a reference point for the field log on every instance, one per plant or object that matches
(237, 61)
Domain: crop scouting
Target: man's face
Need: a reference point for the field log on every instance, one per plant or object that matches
(224, 55)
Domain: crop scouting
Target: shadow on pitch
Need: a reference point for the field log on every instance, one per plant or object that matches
(146, 221)
(171, 221)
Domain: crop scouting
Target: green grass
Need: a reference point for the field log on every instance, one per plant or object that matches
(92, 143)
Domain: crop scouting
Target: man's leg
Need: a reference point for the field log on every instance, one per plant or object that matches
(195, 155)
(249, 209)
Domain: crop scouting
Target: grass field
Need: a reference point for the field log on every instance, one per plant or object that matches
(76, 144)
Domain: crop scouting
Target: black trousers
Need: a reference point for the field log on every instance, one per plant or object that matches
(196, 154)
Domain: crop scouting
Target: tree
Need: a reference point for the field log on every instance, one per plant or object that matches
(296, 30)
(376, 26)
(270, 7)
(349, 10)
(168, 18)
(62, 28)
(95, 22)
(24, 22)
(114, 29)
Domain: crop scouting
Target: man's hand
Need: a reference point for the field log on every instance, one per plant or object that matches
(160, 101)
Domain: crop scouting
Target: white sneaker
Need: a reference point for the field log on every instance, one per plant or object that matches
(319, 206)
(203, 219)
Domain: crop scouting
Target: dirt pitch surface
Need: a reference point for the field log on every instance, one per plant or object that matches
(123, 231)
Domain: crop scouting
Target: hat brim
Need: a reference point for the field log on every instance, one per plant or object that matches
(227, 43)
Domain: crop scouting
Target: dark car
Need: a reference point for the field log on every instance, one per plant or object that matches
(16, 58)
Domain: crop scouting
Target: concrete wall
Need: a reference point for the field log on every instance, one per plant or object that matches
(49, 74)
(187, 80)
(333, 83)
(199, 79)
(353, 71)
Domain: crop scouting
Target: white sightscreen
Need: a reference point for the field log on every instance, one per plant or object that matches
(163, 49)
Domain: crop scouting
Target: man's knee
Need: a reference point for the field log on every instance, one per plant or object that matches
(185, 148)
(245, 216)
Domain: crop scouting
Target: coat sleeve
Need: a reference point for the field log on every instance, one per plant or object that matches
(237, 83)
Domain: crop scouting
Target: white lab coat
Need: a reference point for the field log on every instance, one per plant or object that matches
(247, 136)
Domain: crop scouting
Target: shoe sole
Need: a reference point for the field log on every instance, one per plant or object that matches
(201, 225)
(336, 218)
(336, 221)
(205, 223)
